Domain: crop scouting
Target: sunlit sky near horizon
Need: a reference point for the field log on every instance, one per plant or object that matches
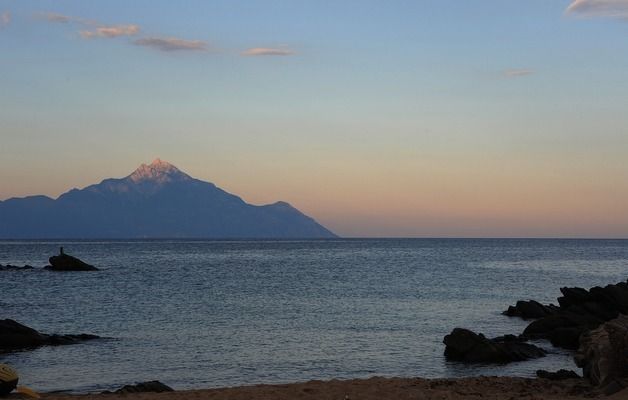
(377, 118)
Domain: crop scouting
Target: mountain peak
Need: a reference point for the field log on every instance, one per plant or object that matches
(158, 171)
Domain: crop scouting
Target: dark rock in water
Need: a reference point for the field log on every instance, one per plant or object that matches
(580, 311)
(60, 340)
(467, 346)
(530, 310)
(573, 296)
(15, 336)
(10, 267)
(603, 352)
(152, 386)
(559, 375)
(65, 262)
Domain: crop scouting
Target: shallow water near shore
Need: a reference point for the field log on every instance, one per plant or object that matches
(198, 314)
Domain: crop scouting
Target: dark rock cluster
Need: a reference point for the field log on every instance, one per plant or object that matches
(594, 322)
(66, 262)
(467, 346)
(530, 309)
(560, 375)
(579, 311)
(15, 336)
(142, 387)
(10, 267)
(60, 262)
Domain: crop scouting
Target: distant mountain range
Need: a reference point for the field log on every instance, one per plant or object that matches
(155, 201)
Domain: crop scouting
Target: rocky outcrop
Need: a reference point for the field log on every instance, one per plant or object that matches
(579, 311)
(10, 267)
(151, 386)
(66, 262)
(15, 336)
(467, 346)
(603, 353)
(560, 375)
(530, 309)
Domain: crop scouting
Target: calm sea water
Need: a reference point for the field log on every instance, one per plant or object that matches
(197, 314)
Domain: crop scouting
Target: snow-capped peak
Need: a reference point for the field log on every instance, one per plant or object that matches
(158, 171)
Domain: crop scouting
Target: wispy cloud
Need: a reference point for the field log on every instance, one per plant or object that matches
(96, 29)
(172, 44)
(91, 29)
(111, 31)
(517, 72)
(267, 51)
(66, 19)
(599, 8)
(5, 19)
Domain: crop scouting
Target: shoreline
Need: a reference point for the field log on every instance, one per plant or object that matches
(377, 388)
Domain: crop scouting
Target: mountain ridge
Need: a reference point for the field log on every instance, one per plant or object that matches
(155, 201)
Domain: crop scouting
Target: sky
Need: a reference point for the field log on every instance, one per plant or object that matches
(431, 118)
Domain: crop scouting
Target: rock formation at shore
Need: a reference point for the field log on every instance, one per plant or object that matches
(467, 346)
(144, 387)
(579, 311)
(594, 321)
(560, 375)
(15, 336)
(66, 262)
(603, 355)
(530, 309)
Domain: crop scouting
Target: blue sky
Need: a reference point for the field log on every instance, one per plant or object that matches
(397, 118)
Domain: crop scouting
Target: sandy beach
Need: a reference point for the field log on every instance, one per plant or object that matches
(379, 388)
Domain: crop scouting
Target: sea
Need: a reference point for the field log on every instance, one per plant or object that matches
(201, 314)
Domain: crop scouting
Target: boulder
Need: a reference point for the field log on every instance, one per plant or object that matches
(151, 386)
(559, 375)
(603, 352)
(467, 346)
(66, 262)
(529, 310)
(15, 336)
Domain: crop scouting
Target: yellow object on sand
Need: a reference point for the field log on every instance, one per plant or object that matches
(28, 392)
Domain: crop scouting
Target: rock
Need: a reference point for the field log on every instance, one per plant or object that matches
(467, 346)
(573, 296)
(152, 386)
(603, 352)
(529, 310)
(15, 336)
(614, 387)
(559, 375)
(65, 262)
(10, 267)
(580, 311)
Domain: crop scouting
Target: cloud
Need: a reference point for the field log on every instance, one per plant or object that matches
(62, 19)
(267, 51)
(96, 29)
(111, 31)
(172, 44)
(517, 72)
(5, 19)
(599, 8)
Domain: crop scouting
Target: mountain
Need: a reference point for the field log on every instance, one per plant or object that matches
(155, 201)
